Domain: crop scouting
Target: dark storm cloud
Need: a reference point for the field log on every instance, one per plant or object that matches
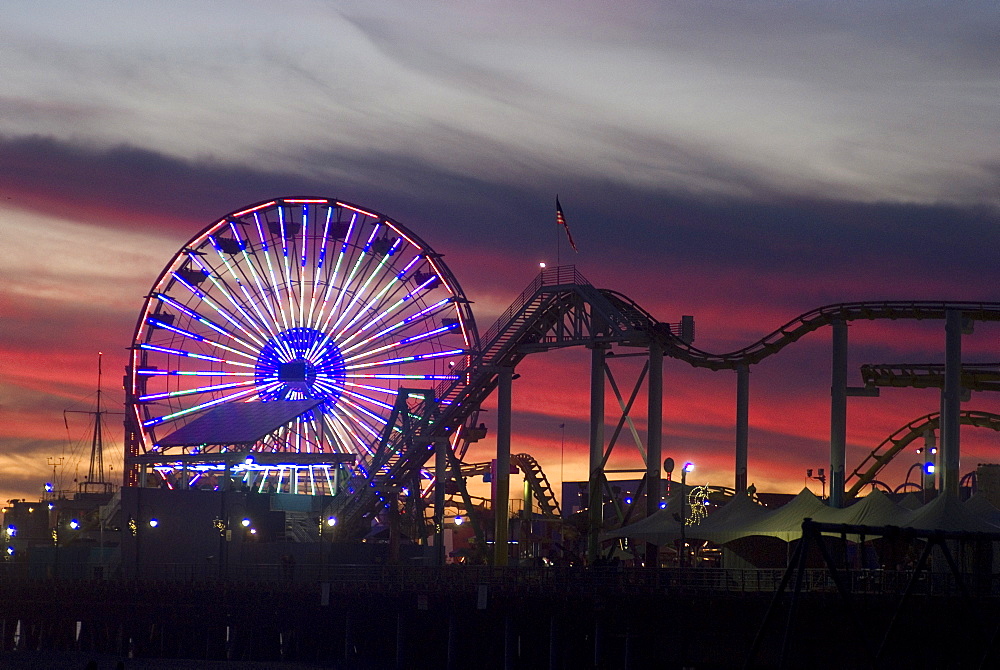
(915, 249)
(56, 177)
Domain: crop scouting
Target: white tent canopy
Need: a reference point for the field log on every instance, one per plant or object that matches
(741, 517)
(658, 528)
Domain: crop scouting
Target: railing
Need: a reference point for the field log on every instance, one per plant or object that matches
(394, 579)
(564, 274)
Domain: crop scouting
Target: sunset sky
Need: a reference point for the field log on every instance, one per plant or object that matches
(739, 162)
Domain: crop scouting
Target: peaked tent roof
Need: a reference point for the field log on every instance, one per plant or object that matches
(911, 501)
(784, 523)
(875, 509)
(238, 423)
(658, 528)
(947, 513)
(740, 511)
(979, 505)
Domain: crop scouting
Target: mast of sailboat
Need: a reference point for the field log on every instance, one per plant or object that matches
(95, 483)
(97, 443)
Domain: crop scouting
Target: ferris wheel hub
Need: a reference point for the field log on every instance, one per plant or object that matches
(298, 364)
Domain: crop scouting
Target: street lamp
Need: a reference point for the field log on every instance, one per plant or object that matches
(820, 477)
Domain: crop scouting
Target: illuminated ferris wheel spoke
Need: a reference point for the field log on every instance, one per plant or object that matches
(195, 337)
(409, 341)
(219, 282)
(376, 269)
(331, 283)
(429, 312)
(363, 397)
(195, 316)
(261, 321)
(378, 306)
(214, 326)
(369, 387)
(270, 293)
(345, 426)
(411, 321)
(318, 268)
(238, 253)
(340, 436)
(357, 296)
(284, 261)
(376, 423)
(335, 310)
(376, 272)
(302, 268)
(197, 408)
(299, 235)
(250, 262)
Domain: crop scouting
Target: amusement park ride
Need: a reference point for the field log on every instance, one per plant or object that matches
(306, 345)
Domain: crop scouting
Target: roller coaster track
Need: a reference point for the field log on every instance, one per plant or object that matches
(804, 324)
(532, 471)
(975, 377)
(562, 309)
(899, 440)
(538, 483)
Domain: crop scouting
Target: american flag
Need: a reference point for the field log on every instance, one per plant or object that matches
(561, 220)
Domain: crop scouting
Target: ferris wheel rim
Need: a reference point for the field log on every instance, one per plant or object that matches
(292, 339)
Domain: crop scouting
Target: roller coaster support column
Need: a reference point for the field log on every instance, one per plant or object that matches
(595, 503)
(440, 477)
(951, 403)
(742, 424)
(501, 502)
(654, 441)
(838, 415)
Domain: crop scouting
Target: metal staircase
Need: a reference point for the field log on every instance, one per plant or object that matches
(558, 309)
(299, 527)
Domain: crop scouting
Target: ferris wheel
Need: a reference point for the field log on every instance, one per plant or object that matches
(296, 299)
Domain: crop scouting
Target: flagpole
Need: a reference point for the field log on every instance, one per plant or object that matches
(558, 235)
(558, 239)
